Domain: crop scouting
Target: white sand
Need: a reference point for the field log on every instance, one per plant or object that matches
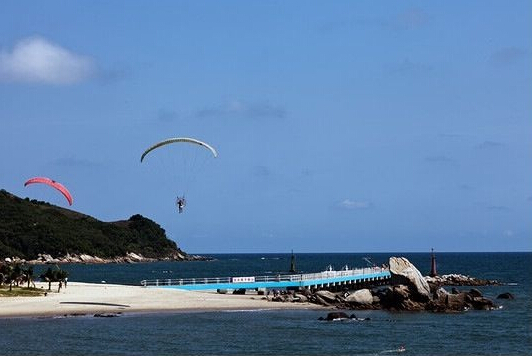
(88, 298)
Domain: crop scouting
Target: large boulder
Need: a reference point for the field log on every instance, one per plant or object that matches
(406, 273)
(361, 296)
(327, 296)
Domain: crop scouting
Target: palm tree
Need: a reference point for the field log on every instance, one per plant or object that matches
(48, 276)
(16, 276)
(57, 275)
(7, 275)
(27, 274)
(4, 272)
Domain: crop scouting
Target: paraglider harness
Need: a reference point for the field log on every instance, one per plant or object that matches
(180, 203)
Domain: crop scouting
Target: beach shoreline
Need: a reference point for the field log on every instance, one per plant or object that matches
(107, 299)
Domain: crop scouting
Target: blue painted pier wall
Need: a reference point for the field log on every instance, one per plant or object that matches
(330, 279)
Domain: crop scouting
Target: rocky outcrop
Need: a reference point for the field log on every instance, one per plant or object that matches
(409, 291)
(404, 272)
(130, 257)
(459, 280)
(461, 301)
(397, 298)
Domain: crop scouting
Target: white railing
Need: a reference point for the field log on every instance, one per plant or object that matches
(328, 274)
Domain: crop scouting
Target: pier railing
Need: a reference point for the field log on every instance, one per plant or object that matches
(325, 275)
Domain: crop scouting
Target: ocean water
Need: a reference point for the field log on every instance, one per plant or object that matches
(506, 331)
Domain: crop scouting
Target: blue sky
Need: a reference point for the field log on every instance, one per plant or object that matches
(346, 126)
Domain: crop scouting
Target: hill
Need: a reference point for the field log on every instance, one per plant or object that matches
(30, 227)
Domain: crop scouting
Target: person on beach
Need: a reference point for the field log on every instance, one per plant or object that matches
(180, 202)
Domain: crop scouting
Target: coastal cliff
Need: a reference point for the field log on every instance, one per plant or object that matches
(39, 232)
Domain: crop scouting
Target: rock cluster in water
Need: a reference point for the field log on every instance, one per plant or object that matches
(408, 291)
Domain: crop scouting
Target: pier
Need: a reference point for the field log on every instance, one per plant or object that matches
(329, 279)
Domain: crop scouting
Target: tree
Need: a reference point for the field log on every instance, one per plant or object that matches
(27, 275)
(54, 275)
(11, 274)
(48, 276)
(5, 273)
(16, 275)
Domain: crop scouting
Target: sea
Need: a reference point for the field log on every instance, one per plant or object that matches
(504, 331)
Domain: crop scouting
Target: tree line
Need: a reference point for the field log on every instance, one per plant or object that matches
(16, 274)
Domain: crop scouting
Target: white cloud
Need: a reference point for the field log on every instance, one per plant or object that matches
(37, 60)
(349, 204)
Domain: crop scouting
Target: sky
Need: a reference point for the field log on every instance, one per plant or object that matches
(343, 126)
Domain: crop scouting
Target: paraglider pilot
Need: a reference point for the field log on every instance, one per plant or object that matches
(181, 202)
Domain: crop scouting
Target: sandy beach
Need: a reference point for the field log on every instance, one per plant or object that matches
(89, 298)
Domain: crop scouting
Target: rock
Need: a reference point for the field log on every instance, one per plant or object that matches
(506, 295)
(361, 296)
(134, 257)
(86, 258)
(278, 298)
(459, 280)
(482, 303)
(406, 272)
(327, 296)
(46, 258)
(106, 315)
(319, 300)
(333, 316)
(461, 302)
(300, 298)
(393, 297)
(474, 292)
(440, 293)
(456, 302)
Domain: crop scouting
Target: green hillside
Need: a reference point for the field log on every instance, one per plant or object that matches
(30, 227)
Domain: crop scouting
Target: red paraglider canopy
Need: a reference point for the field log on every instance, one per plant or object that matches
(53, 184)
